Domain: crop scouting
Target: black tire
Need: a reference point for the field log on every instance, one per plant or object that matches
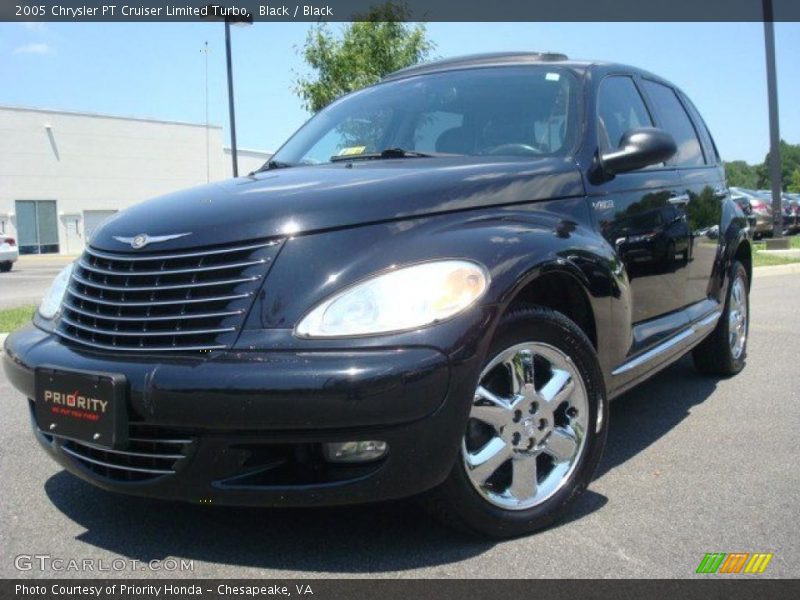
(669, 255)
(714, 355)
(5, 267)
(458, 504)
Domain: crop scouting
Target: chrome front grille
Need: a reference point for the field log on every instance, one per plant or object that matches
(159, 302)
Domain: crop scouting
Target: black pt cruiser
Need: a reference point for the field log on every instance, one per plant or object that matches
(433, 288)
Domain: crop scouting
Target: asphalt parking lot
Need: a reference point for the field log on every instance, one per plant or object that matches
(693, 465)
(29, 279)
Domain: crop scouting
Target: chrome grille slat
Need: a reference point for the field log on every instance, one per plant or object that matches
(72, 292)
(166, 332)
(236, 265)
(108, 465)
(159, 441)
(155, 288)
(126, 301)
(100, 346)
(208, 315)
(154, 455)
(157, 257)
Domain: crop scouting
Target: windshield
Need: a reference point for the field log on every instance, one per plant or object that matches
(502, 111)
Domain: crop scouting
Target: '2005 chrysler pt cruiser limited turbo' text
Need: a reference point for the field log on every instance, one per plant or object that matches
(433, 288)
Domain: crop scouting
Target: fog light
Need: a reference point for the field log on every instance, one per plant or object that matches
(355, 451)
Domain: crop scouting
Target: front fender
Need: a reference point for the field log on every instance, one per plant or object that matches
(516, 243)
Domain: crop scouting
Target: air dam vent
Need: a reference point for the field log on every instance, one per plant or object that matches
(186, 301)
(151, 453)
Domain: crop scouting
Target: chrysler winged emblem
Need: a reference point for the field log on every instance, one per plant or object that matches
(142, 240)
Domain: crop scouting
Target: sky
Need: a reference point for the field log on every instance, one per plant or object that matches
(157, 70)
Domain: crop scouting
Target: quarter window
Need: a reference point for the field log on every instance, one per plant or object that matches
(673, 118)
(619, 108)
(709, 148)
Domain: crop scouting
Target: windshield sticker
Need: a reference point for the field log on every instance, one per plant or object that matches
(552, 76)
(352, 150)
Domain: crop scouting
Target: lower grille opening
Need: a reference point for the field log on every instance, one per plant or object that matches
(152, 452)
(291, 465)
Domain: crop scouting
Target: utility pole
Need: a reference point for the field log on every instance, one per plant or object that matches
(234, 155)
(208, 156)
(774, 127)
(214, 13)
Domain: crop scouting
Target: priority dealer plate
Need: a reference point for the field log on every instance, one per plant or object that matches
(87, 407)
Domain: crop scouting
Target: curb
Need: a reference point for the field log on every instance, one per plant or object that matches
(789, 269)
(48, 257)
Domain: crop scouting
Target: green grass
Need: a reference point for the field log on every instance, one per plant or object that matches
(13, 318)
(769, 260)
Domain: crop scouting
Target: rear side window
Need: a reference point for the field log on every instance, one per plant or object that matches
(709, 147)
(673, 118)
(619, 108)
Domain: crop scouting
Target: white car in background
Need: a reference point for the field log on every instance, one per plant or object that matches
(9, 253)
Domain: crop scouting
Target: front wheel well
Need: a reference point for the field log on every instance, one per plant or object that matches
(744, 255)
(563, 293)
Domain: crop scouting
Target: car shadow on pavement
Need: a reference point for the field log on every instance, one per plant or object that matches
(374, 538)
(646, 413)
(371, 538)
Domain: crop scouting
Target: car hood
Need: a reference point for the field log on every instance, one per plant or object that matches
(292, 201)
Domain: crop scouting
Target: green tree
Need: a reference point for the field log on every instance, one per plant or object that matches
(790, 161)
(740, 174)
(376, 44)
(794, 182)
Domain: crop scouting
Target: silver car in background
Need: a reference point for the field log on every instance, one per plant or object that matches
(760, 208)
(9, 253)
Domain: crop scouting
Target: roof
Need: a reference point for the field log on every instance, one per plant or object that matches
(103, 116)
(480, 60)
(248, 151)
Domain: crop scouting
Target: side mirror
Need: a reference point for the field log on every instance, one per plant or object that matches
(639, 148)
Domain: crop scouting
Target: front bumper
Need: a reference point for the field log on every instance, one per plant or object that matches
(9, 255)
(247, 427)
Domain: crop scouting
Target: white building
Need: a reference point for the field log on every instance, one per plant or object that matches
(62, 173)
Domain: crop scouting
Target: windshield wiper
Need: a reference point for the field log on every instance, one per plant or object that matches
(272, 164)
(388, 153)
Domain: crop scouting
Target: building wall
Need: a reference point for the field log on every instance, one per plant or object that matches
(98, 163)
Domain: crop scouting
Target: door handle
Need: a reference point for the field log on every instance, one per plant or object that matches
(679, 199)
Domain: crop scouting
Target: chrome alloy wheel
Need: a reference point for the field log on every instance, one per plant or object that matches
(527, 427)
(737, 318)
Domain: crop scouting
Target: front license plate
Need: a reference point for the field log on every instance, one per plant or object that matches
(88, 407)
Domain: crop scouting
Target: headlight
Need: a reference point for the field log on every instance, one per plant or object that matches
(403, 299)
(51, 303)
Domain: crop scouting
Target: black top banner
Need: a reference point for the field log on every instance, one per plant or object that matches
(417, 10)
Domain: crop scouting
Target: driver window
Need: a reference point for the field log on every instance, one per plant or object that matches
(619, 108)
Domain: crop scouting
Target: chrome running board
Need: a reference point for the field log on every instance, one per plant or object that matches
(694, 330)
